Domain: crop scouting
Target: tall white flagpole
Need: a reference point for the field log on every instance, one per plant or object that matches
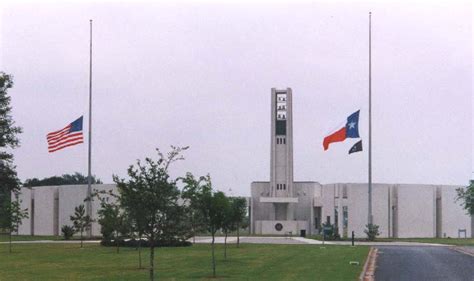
(89, 178)
(370, 218)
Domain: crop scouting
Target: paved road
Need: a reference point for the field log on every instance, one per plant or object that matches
(423, 263)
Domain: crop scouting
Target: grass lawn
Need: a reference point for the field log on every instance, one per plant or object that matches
(449, 241)
(6, 238)
(249, 262)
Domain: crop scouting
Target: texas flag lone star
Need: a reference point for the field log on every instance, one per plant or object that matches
(350, 130)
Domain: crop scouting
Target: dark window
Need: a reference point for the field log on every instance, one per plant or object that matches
(280, 127)
(284, 186)
(284, 141)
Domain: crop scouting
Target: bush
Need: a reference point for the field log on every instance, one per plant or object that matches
(145, 243)
(67, 231)
(372, 231)
(331, 232)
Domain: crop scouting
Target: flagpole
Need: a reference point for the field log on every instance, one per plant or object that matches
(370, 218)
(89, 178)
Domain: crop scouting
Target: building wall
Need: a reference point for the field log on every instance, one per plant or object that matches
(48, 218)
(354, 196)
(263, 214)
(454, 217)
(25, 227)
(357, 208)
(71, 196)
(305, 192)
(416, 210)
(261, 211)
(44, 210)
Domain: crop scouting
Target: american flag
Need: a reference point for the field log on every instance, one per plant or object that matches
(68, 136)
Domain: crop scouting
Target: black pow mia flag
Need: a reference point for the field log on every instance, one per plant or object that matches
(356, 147)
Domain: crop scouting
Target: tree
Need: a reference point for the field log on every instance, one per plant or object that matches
(190, 195)
(67, 231)
(66, 179)
(372, 231)
(239, 214)
(229, 224)
(466, 196)
(150, 196)
(13, 218)
(109, 220)
(8, 140)
(81, 221)
(210, 205)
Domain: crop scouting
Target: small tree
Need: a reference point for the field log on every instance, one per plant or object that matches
(210, 207)
(229, 223)
(239, 214)
(466, 196)
(191, 195)
(372, 231)
(67, 231)
(150, 197)
(81, 221)
(13, 216)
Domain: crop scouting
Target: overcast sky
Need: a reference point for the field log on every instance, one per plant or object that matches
(200, 74)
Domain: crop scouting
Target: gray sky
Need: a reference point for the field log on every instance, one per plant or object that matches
(200, 74)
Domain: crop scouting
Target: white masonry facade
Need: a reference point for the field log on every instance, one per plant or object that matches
(283, 206)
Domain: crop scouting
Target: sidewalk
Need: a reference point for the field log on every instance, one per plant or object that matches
(256, 240)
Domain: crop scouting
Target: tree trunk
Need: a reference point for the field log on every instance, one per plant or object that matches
(213, 258)
(194, 229)
(238, 236)
(140, 252)
(10, 242)
(152, 260)
(117, 243)
(225, 246)
(81, 238)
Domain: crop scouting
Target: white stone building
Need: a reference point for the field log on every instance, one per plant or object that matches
(50, 207)
(283, 206)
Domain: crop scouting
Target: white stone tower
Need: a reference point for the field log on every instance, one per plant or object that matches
(281, 157)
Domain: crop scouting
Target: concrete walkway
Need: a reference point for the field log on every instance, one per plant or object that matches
(301, 240)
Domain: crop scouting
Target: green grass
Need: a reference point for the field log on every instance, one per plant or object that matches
(249, 262)
(6, 238)
(448, 241)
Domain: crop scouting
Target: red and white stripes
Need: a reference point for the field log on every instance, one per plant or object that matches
(63, 138)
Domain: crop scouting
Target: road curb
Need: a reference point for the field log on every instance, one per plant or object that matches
(462, 251)
(368, 271)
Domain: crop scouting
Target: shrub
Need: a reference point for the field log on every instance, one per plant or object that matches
(67, 231)
(331, 232)
(145, 243)
(372, 231)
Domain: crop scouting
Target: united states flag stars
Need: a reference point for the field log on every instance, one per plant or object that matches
(68, 136)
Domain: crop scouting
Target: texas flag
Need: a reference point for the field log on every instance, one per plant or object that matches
(350, 130)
